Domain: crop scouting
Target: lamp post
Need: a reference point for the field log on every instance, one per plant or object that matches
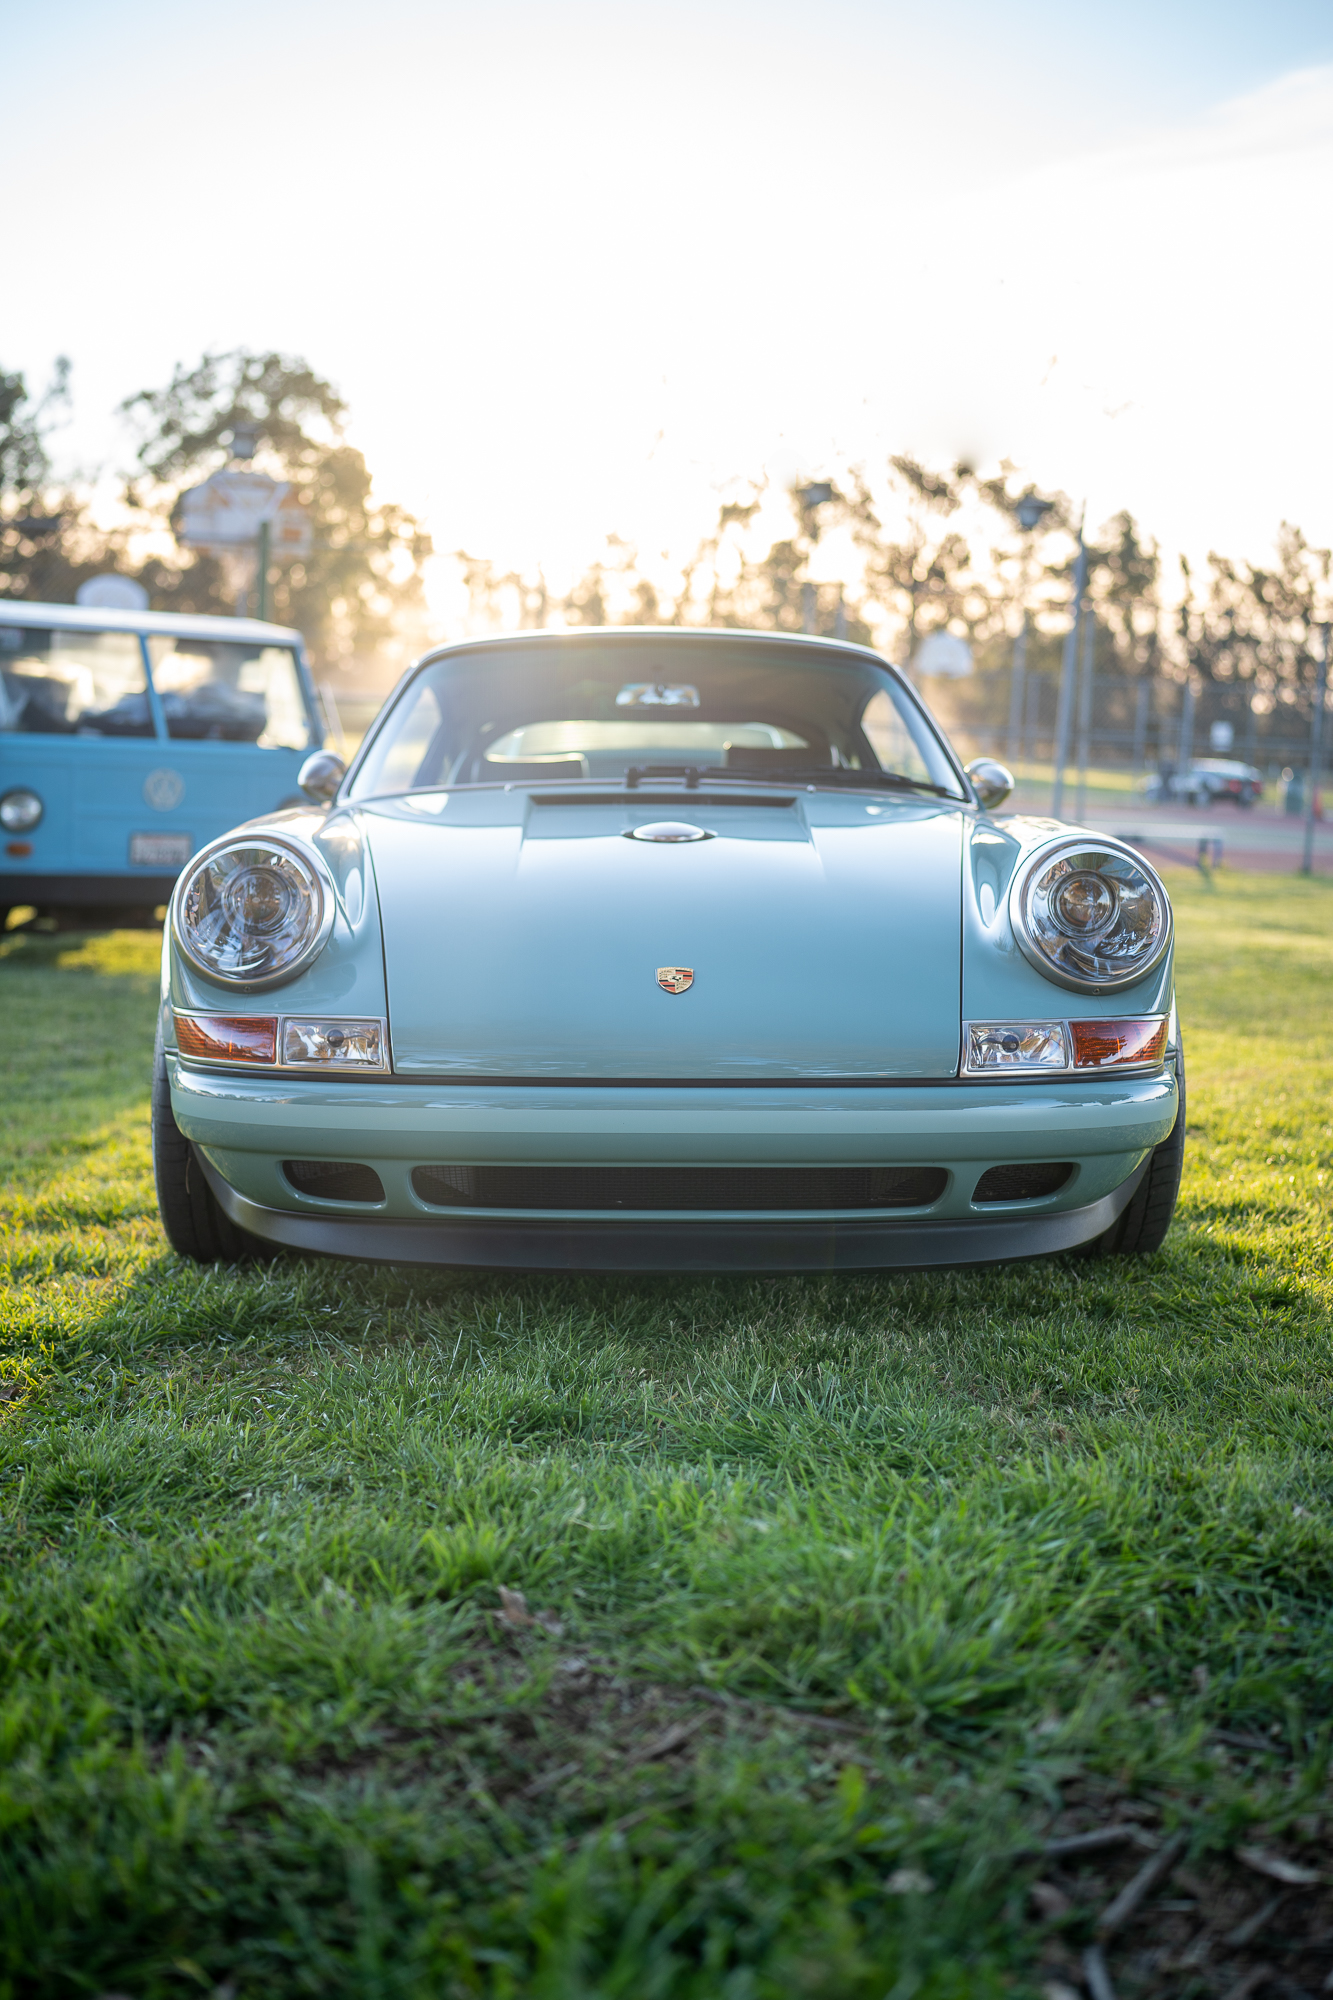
(1141, 701)
(1316, 749)
(261, 579)
(1185, 745)
(1029, 511)
(244, 445)
(1085, 710)
(816, 494)
(1068, 674)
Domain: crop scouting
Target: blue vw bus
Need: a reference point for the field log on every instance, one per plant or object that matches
(130, 738)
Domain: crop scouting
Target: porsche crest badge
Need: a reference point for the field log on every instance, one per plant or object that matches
(675, 978)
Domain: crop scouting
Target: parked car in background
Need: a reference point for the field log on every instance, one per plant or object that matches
(1209, 781)
(660, 949)
(128, 740)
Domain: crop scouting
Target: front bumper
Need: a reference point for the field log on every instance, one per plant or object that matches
(703, 1243)
(243, 1126)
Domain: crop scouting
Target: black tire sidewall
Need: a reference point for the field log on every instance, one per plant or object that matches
(195, 1224)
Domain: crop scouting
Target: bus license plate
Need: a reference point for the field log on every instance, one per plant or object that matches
(160, 850)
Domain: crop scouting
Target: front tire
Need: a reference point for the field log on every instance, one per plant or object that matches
(196, 1224)
(1143, 1226)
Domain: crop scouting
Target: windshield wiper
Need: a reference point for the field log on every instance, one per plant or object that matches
(691, 775)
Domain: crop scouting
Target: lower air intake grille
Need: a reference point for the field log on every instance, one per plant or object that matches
(334, 1180)
(1029, 1180)
(758, 1188)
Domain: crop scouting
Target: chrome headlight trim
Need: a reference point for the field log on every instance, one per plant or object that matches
(307, 859)
(1064, 969)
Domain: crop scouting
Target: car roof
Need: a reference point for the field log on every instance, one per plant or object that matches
(674, 635)
(170, 624)
(1221, 764)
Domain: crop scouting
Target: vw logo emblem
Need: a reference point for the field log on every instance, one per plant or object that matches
(163, 789)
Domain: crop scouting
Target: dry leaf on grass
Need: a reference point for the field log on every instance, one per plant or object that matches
(1248, 1982)
(1048, 1901)
(1070, 1845)
(1276, 1868)
(515, 1614)
(1096, 1977)
(909, 1882)
(670, 1739)
(550, 1781)
(1139, 1887)
(1247, 1932)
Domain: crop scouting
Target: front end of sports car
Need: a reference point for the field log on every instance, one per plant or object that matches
(643, 951)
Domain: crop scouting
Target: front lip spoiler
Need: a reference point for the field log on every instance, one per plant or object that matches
(763, 1245)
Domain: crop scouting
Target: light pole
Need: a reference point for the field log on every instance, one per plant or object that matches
(1029, 511)
(1085, 710)
(1316, 749)
(1141, 700)
(1185, 746)
(261, 579)
(1068, 673)
(817, 494)
(244, 445)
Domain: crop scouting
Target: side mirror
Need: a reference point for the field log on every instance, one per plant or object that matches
(990, 781)
(320, 775)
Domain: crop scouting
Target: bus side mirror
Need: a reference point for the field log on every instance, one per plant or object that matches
(320, 776)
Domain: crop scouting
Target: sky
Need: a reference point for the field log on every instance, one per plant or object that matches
(577, 268)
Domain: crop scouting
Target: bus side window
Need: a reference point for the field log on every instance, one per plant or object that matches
(230, 691)
(61, 683)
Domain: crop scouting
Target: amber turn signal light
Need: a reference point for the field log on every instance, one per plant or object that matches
(228, 1037)
(1112, 1044)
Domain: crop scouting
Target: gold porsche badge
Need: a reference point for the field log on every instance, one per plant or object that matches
(675, 978)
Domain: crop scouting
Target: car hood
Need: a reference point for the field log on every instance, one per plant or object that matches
(524, 938)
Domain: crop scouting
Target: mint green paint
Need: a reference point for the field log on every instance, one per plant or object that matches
(348, 975)
(823, 941)
(248, 1123)
(998, 982)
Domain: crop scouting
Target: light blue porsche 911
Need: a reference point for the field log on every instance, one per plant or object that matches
(652, 950)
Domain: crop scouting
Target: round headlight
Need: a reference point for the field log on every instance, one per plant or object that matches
(1090, 916)
(253, 911)
(20, 810)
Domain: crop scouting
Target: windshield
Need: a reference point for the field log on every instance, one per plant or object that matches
(622, 710)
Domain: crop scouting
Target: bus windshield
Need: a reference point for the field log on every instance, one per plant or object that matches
(230, 691)
(55, 683)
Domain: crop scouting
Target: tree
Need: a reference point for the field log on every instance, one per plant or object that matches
(927, 580)
(25, 466)
(1252, 629)
(722, 583)
(30, 522)
(358, 597)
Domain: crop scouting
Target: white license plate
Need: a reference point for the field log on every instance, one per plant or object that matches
(160, 850)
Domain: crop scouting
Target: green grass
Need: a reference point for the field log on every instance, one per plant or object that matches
(859, 1581)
